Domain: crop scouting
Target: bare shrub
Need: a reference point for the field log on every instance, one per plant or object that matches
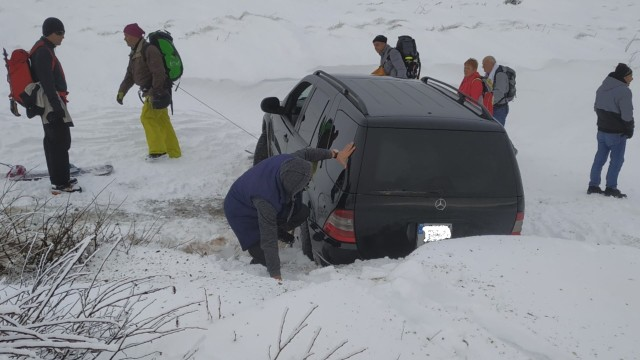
(36, 235)
(61, 315)
(57, 309)
(296, 331)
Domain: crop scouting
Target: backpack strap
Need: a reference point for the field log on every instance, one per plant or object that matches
(40, 44)
(143, 51)
(485, 87)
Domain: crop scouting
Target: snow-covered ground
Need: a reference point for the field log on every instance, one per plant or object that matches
(566, 289)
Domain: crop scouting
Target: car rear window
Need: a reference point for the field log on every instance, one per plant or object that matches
(438, 162)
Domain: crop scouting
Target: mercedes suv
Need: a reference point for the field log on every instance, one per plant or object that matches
(430, 164)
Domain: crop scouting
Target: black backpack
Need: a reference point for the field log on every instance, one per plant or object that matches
(407, 47)
(511, 75)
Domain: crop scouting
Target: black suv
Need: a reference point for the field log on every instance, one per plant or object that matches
(430, 163)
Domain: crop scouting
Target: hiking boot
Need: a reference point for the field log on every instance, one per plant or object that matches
(73, 181)
(154, 157)
(594, 190)
(59, 189)
(614, 192)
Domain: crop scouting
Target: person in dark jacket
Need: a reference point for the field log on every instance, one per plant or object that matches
(264, 203)
(146, 69)
(391, 63)
(614, 109)
(47, 72)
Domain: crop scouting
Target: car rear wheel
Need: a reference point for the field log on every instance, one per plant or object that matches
(262, 149)
(305, 240)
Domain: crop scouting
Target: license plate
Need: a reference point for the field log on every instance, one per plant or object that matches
(433, 232)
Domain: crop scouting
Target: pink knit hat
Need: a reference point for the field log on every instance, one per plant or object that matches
(134, 30)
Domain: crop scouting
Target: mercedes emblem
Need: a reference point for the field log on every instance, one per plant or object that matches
(440, 204)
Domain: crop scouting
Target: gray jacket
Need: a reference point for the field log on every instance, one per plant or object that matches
(500, 87)
(614, 107)
(294, 176)
(392, 63)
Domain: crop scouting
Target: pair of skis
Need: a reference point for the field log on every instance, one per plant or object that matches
(21, 173)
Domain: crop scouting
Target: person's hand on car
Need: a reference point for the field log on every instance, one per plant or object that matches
(343, 155)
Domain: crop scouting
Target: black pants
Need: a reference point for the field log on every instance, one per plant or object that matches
(57, 142)
(300, 214)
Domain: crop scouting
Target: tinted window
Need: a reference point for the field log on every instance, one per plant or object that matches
(335, 135)
(296, 100)
(452, 163)
(312, 115)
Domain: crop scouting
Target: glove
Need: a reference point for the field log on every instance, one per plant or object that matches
(56, 116)
(379, 71)
(161, 100)
(119, 97)
(628, 133)
(285, 237)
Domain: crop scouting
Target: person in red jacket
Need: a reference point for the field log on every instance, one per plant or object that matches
(474, 86)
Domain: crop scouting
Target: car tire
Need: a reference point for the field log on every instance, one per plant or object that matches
(262, 149)
(305, 240)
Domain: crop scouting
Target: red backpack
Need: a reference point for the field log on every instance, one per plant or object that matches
(19, 75)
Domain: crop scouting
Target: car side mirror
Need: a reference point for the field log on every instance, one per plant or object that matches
(271, 105)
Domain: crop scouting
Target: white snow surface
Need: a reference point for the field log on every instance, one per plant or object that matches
(568, 288)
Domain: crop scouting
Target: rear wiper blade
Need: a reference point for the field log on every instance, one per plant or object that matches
(410, 192)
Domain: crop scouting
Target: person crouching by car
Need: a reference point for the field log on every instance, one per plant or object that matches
(264, 203)
(146, 69)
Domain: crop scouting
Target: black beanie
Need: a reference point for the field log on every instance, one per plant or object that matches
(622, 71)
(51, 25)
(380, 38)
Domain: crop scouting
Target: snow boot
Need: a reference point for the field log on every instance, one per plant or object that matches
(59, 189)
(156, 157)
(594, 190)
(614, 192)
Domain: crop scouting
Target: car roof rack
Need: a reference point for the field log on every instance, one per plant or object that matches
(461, 96)
(345, 90)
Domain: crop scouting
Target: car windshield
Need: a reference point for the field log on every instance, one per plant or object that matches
(438, 162)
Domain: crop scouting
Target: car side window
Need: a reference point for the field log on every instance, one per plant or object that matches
(341, 132)
(327, 133)
(313, 114)
(296, 101)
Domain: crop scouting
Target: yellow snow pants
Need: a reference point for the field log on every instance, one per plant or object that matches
(161, 138)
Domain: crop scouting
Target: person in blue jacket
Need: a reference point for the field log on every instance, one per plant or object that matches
(264, 202)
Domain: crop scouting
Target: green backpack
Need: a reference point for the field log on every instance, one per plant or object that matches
(172, 62)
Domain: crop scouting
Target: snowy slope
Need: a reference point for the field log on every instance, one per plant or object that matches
(566, 289)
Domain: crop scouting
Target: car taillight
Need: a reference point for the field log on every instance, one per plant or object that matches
(339, 226)
(517, 226)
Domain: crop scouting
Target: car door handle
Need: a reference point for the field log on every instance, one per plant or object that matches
(286, 137)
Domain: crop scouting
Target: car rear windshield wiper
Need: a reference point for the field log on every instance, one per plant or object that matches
(435, 192)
